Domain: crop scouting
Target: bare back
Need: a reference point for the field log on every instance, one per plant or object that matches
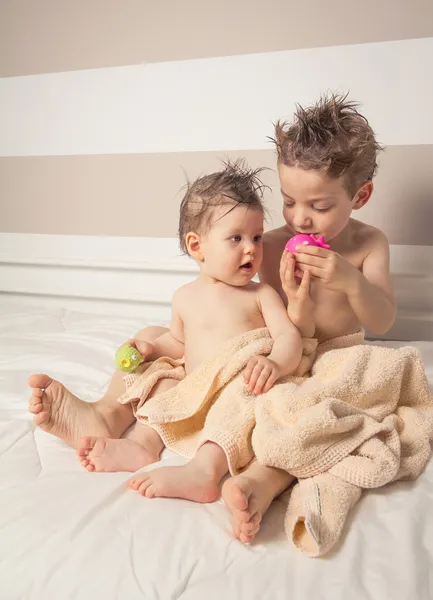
(214, 313)
(333, 314)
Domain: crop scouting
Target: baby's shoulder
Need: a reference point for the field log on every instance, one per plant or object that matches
(184, 293)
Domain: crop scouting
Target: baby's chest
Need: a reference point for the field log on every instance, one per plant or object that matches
(223, 314)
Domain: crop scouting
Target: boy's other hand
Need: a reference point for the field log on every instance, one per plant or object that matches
(337, 273)
(300, 307)
(260, 374)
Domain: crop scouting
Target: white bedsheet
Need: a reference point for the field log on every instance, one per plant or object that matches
(68, 534)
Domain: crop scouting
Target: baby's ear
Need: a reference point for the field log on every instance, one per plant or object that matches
(193, 245)
(363, 195)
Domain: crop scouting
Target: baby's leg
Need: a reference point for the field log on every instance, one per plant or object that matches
(141, 446)
(249, 495)
(198, 480)
(62, 414)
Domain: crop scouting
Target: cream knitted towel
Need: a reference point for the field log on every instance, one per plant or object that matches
(211, 403)
(362, 419)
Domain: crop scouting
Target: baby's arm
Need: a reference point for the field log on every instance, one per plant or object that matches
(287, 349)
(262, 372)
(170, 343)
(372, 297)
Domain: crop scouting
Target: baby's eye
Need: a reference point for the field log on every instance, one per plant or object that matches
(257, 238)
(236, 238)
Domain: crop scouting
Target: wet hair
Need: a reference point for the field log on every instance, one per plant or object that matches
(330, 136)
(236, 184)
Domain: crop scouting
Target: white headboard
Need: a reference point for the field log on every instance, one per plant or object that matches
(97, 274)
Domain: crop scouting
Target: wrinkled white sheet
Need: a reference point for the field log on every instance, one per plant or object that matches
(68, 534)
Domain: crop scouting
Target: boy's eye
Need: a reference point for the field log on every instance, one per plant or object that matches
(322, 209)
(235, 238)
(289, 204)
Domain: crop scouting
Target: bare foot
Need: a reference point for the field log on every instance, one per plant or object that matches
(104, 454)
(62, 414)
(188, 482)
(248, 497)
(238, 494)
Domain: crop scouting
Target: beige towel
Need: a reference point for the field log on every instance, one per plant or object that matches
(362, 419)
(211, 403)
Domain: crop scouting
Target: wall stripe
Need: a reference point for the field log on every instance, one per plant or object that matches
(138, 194)
(46, 36)
(215, 104)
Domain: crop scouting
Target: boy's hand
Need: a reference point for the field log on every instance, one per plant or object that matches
(337, 273)
(144, 348)
(300, 306)
(260, 374)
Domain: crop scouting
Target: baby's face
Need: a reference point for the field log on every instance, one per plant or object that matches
(313, 202)
(233, 248)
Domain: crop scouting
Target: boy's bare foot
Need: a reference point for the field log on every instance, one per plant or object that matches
(190, 482)
(62, 414)
(104, 454)
(248, 497)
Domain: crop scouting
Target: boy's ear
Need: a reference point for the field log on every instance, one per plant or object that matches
(193, 245)
(363, 195)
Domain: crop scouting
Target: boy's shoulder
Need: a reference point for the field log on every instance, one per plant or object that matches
(366, 237)
(276, 236)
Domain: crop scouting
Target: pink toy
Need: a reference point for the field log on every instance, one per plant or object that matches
(306, 240)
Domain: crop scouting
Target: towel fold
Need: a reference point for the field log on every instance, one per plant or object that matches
(211, 403)
(363, 418)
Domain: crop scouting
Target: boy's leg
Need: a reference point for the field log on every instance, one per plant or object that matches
(62, 414)
(141, 446)
(198, 480)
(249, 495)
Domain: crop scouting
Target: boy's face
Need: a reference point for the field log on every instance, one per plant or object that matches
(232, 250)
(314, 203)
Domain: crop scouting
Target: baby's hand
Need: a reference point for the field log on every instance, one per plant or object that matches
(260, 374)
(144, 348)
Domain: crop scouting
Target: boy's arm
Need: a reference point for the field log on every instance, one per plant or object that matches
(368, 291)
(300, 307)
(287, 348)
(372, 297)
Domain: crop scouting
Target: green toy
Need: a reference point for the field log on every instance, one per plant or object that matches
(128, 359)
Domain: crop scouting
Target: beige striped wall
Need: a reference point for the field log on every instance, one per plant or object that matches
(105, 104)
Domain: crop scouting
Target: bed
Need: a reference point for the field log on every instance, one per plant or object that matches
(66, 533)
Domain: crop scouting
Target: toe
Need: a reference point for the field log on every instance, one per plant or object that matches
(40, 381)
(90, 467)
(150, 491)
(41, 417)
(36, 396)
(35, 408)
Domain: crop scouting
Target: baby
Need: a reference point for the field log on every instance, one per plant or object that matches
(221, 228)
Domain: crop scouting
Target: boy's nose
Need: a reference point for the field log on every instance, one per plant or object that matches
(301, 220)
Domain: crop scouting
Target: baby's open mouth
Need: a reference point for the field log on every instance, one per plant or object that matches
(247, 266)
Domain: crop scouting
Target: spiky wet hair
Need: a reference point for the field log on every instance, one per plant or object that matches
(235, 184)
(330, 136)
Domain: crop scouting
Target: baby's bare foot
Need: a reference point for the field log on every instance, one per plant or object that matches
(248, 497)
(62, 414)
(240, 498)
(188, 482)
(104, 454)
